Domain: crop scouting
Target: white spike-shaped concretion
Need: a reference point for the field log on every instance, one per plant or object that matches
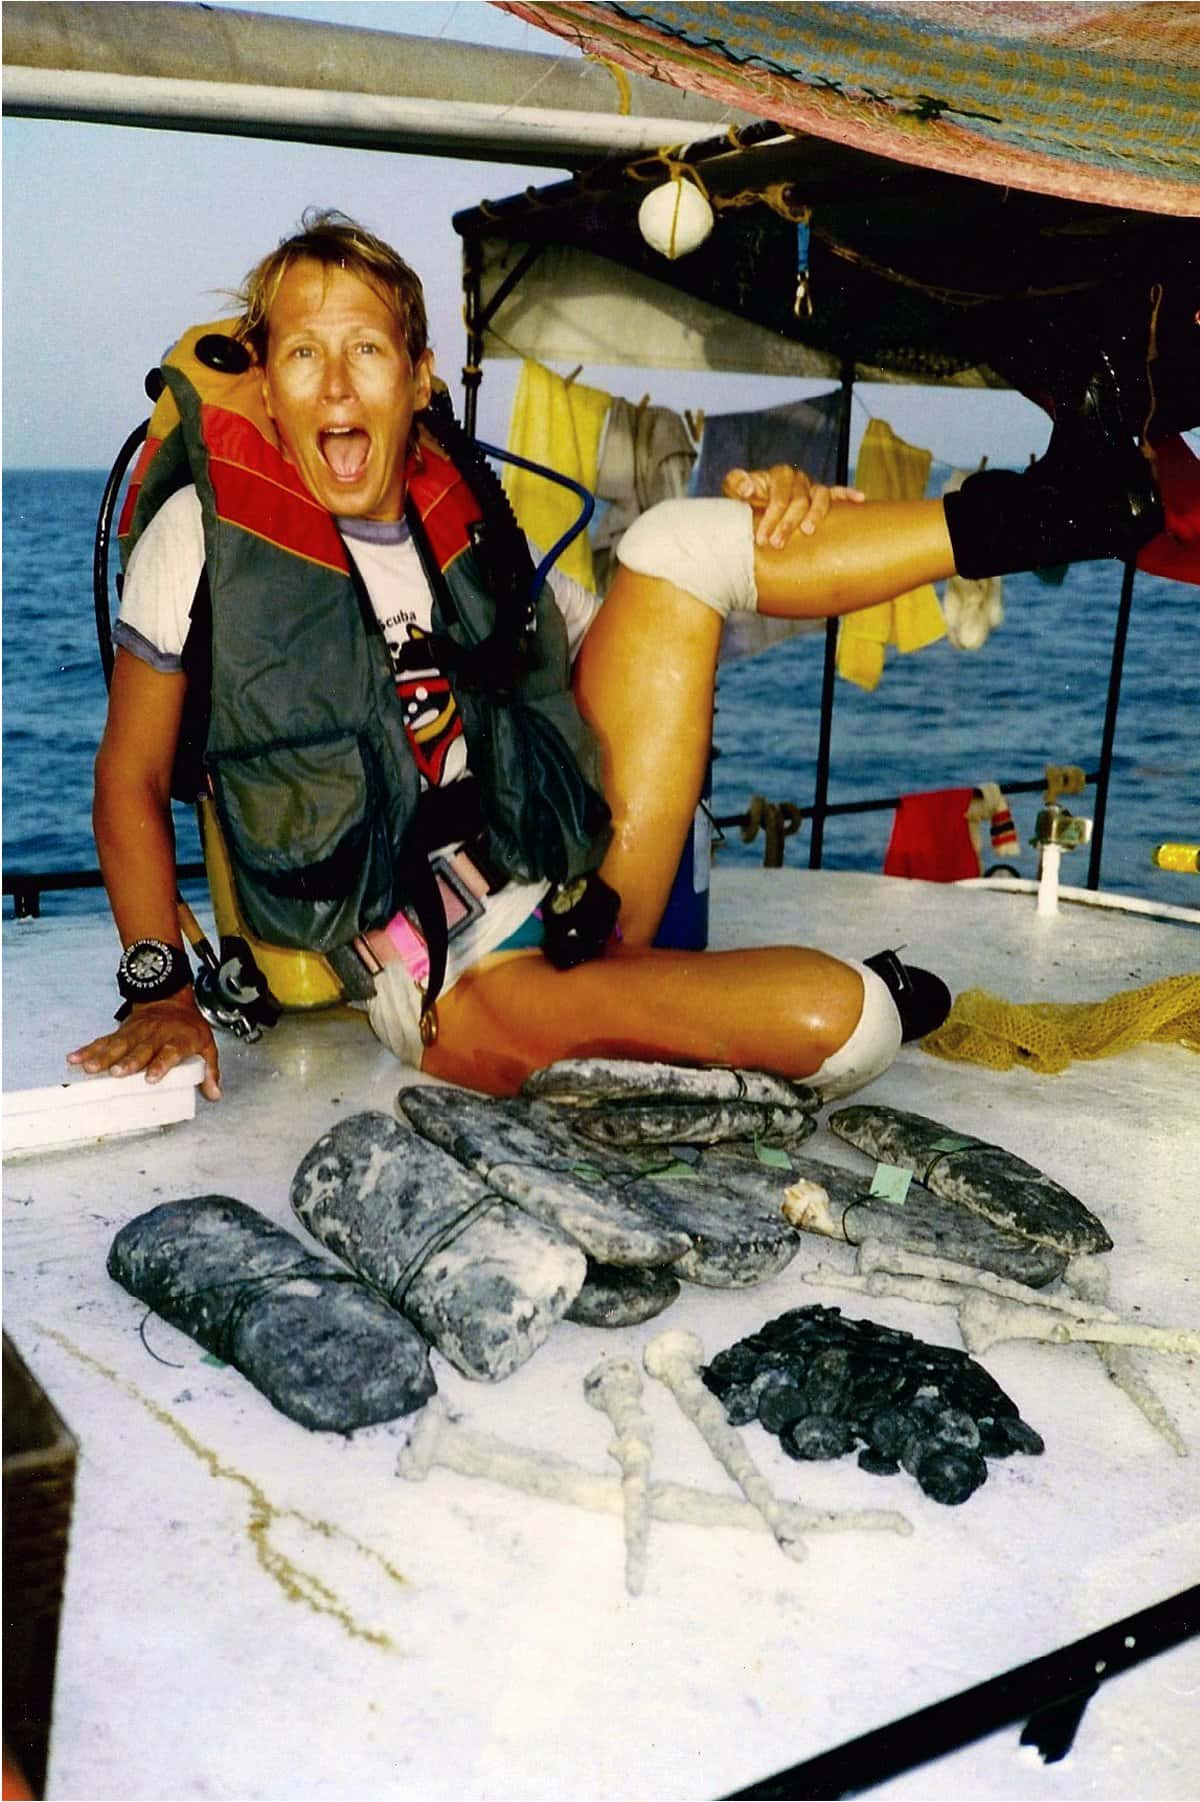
(675, 1358)
(985, 1320)
(615, 1387)
(435, 1443)
(1087, 1278)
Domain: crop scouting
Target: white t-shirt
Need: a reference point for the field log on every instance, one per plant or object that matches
(153, 622)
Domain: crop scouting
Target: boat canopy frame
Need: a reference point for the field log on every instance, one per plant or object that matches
(552, 236)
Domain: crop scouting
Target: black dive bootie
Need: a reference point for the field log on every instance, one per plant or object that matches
(922, 999)
(1091, 495)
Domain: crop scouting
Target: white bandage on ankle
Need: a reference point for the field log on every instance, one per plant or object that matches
(705, 546)
(870, 1048)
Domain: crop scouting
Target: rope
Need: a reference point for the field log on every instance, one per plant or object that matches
(624, 91)
(963, 297)
(246, 1291)
(1156, 295)
(774, 195)
(778, 820)
(437, 1241)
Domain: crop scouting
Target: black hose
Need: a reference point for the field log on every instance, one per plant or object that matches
(100, 550)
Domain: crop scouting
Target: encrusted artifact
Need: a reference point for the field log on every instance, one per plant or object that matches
(986, 1320)
(824, 1383)
(482, 1279)
(991, 1308)
(987, 1179)
(619, 1101)
(436, 1442)
(644, 1205)
(821, 1198)
(1088, 1279)
(615, 1387)
(587, 1082)
(614, 1296)
(676, 1360)
(317, 1343)
(523, 1159)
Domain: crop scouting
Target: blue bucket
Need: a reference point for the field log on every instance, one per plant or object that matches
(684, 925)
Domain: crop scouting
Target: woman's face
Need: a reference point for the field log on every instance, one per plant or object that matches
(341, 388)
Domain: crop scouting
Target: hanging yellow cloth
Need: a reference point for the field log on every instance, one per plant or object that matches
(557, 423)
(1045, 1036)
(888, 470)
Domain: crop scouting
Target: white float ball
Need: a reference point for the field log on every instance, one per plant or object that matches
(675, 218)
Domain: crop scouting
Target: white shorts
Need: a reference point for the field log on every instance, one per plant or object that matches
(394, 1011)
(705, 546)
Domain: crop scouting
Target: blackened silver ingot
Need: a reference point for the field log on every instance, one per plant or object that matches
(319, 1345)
(985, 1178)
(613, 1295)
(528, 1159)
(483, 1280)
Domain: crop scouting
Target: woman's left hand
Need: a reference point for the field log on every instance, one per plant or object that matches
(785, 500)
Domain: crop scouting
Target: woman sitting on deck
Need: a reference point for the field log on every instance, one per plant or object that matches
(332, 393)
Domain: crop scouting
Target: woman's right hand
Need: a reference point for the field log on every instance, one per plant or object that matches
(784, 500)
(154, 1037)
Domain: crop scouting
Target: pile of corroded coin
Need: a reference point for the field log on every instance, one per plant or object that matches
(825, 1384)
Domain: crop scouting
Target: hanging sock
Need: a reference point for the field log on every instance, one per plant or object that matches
(989, 804)
(888, 469)
(557, 423)
(1091, 495)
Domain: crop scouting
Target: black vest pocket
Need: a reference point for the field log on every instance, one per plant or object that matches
(303, 821)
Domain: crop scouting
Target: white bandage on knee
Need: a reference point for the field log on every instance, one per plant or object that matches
(704, 546)
(870, 1048)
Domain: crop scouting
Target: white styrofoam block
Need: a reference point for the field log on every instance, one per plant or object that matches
(97, 1107)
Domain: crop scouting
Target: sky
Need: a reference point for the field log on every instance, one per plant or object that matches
(116, 239)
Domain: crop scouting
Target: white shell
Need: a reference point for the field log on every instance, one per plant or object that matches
(675, 218)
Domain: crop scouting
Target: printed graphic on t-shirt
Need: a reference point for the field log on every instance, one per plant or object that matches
(432, 719)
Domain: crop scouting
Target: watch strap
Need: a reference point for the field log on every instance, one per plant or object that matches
(176, 974)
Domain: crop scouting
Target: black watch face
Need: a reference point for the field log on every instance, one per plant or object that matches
(147, 965)
(150, 969)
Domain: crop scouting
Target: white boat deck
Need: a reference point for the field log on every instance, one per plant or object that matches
(253, 1610)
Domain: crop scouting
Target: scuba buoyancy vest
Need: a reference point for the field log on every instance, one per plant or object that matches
(305, 750)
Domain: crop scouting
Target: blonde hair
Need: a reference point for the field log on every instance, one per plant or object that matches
(333, 239)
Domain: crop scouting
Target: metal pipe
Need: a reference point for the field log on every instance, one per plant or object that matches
(1104, 774)
(495, 131)
(882, 803)
(266, 49)
(820, 807)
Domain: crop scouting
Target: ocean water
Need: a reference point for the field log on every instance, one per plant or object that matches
(1034, 694)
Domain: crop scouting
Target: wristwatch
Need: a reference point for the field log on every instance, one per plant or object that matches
(150, 970)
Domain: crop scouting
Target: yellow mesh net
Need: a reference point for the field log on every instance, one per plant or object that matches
(1045, 1036)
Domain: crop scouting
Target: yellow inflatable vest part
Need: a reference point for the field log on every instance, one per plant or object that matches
(297, 979)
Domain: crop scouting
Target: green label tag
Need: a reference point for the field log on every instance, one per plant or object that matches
(951, 1142)
(890, 1183)
(772, 1156)
(217, 1363)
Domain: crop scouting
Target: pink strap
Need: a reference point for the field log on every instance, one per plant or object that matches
(410, 946)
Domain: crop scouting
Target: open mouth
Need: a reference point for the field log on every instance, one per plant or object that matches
(345, 449)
